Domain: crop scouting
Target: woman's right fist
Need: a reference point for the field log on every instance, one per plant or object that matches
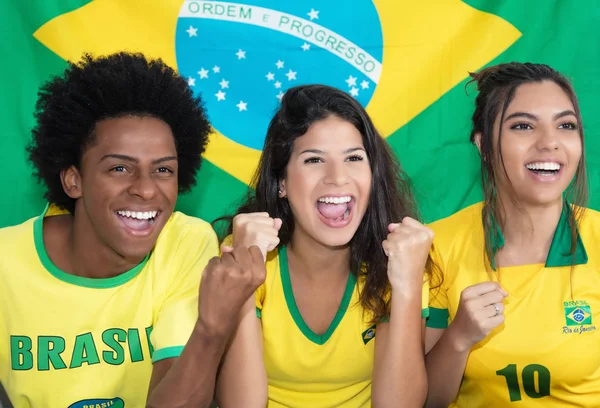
(256, 229)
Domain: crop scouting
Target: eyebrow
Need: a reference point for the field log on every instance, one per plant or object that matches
(347, 151)
(533, 117)
(134, 160)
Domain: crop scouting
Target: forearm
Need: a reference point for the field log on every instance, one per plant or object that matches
(399, 375)
(445, 368)
(242, 380)
(191, 380)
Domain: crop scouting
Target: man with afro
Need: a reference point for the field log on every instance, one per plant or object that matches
(100, 297)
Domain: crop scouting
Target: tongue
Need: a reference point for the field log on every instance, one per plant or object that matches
(135, 224)
(332, 211)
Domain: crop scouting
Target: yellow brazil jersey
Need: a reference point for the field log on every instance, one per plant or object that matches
(74, 342)
(546, 352)
(308, 370)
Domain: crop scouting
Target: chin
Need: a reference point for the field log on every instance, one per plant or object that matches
(136, 248)
(543, 199)
(137, 252)
(339, 239)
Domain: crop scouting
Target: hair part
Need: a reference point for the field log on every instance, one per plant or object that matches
(122, 84)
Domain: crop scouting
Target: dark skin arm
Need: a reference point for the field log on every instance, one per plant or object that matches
(227, 283)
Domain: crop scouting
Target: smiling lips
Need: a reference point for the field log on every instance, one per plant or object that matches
(335, 211)
(548, 168)
(138, 221)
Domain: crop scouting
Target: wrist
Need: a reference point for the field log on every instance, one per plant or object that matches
(407, 290)
(457, 340)
(210, 333)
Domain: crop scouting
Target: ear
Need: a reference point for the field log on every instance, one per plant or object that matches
(281, 191)
(477, 140)
(71, 182)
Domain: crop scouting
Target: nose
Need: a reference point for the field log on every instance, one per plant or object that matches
(547, 139)
(144, 187)
(336, 174)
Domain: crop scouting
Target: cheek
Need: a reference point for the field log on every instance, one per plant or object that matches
(100, 188)
(365, 184)
(574, 151)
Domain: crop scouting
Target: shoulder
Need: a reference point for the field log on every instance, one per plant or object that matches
(465, 224)
(183, 229)
(185, 242)
(15, 236)
(589, 228)
(590, 218)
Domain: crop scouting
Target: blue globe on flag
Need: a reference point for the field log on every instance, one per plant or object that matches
(242, 57)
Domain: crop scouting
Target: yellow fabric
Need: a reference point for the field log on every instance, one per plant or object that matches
(306, 370)
(548, 344)
(68, 341)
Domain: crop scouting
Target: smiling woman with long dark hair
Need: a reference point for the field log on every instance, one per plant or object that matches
(342, 308)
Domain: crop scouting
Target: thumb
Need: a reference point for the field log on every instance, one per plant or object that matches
(277, 222)
(226, 248)
(392, 227)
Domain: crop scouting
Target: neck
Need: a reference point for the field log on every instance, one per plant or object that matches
(90, 257)
(311, 258)
(528, 230)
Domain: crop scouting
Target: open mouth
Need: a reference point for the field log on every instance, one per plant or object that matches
(138, 220)
(544, 168)
(335, 211)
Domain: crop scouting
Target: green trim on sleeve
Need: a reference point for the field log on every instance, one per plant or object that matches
(425, 313)
(167, 352)
(438, 318)
(259, 313)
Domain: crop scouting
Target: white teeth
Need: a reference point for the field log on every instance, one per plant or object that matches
(138, 214)
(335, 200)
(543, 166)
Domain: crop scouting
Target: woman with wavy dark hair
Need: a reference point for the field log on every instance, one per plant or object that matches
(514, 319)
(344, 303)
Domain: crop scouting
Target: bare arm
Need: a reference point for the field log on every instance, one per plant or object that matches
(446, 363)
(227, 284)
(242, 380)
(190, 379)
(399, 374)
(449, 348)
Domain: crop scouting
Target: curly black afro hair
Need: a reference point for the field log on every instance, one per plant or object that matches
(122, 84)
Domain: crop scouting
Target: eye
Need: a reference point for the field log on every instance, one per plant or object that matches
(118, 169)
(569, 126)
(355, 157)
(164, 170)
(521, 126)
(313, 160)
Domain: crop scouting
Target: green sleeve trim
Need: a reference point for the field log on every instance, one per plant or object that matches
(438, 318)
(167, 352)
(259, 313)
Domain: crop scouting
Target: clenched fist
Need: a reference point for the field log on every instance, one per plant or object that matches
(480, 310)
(256, 229)
(227, 283)
(407, 247)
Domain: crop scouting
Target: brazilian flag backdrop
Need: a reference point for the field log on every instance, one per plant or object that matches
(406, 61)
